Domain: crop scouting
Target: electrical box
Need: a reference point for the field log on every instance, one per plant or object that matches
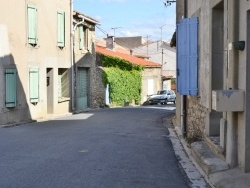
(228, 100)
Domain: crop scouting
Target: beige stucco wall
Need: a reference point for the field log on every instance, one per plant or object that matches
(16, 52)
(243, 83)
(150, 74)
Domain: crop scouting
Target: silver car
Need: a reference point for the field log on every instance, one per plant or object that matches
(163, 97)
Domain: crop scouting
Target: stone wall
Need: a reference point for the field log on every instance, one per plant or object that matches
(196, 118)
(98, 89)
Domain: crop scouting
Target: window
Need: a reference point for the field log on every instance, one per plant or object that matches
(60, 29)
(34, 85)
(63, 83)
(81, 37)
(32, 24)
(10, 88)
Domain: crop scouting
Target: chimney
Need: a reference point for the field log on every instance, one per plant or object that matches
(110, 43)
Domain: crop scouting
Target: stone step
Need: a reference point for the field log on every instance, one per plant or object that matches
(206, 159)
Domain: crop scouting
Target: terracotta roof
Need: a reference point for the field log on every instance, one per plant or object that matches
(166, 75)
(126, 56)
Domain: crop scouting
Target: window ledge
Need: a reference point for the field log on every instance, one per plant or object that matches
(63, 99)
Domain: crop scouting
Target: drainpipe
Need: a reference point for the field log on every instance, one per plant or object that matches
(72, 57)
(184, 97)
(232, 80)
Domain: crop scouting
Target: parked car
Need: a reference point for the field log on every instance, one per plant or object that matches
(163, 97)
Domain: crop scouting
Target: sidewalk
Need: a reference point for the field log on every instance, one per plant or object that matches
(213, 169)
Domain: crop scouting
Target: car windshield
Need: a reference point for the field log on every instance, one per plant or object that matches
(162, 92)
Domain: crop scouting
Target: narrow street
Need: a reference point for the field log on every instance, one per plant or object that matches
(117, 147)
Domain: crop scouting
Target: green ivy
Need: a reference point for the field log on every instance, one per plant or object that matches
(124, 80)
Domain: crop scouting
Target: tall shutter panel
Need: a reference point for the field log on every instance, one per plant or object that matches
(32, 24)
(10, 87)
(34, 84)
(81, 37)
(60, 29)
(187, 56)
(88, 40)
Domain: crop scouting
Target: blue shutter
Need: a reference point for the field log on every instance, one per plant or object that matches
(34, 85)
(32, 24)
(60, 29)
(187, 56)
(10, 87)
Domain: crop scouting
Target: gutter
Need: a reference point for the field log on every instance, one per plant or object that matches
(184, 97)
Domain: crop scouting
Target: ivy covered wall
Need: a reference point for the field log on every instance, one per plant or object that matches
(124, 79)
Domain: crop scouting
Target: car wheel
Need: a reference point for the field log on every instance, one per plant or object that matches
(174, 101)
(166, 101)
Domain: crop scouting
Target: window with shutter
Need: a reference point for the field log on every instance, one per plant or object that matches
(187, 56)
(32, 24)
(81, 37)
(60, 29)
(10, 88)
(34, 85)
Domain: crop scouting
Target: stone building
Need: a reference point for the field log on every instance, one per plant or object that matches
(35, 59)
(85, 69)
(218, 106)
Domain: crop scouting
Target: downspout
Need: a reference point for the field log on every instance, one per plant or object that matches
(72, 57)
(184, 97)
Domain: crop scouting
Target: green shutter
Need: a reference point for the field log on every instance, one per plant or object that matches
(32, 24)
(81, 37)
(60, 29)
(34, 84)
(88, 40)
(10, 87)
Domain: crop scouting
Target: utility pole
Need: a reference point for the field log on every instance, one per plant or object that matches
(161, 31)
(114, 28)
(147, 42)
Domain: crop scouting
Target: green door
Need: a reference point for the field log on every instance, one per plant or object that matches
(82, 89)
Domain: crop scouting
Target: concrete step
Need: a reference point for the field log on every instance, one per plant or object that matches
(206, 159)
(213, 143)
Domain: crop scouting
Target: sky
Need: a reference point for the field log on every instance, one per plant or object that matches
(150, 19)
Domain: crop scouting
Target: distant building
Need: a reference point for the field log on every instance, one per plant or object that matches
(159, 52)
(151, 75)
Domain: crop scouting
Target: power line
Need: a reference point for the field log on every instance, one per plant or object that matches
(102, 30)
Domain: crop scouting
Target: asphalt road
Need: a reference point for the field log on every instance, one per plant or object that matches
(109, 148)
